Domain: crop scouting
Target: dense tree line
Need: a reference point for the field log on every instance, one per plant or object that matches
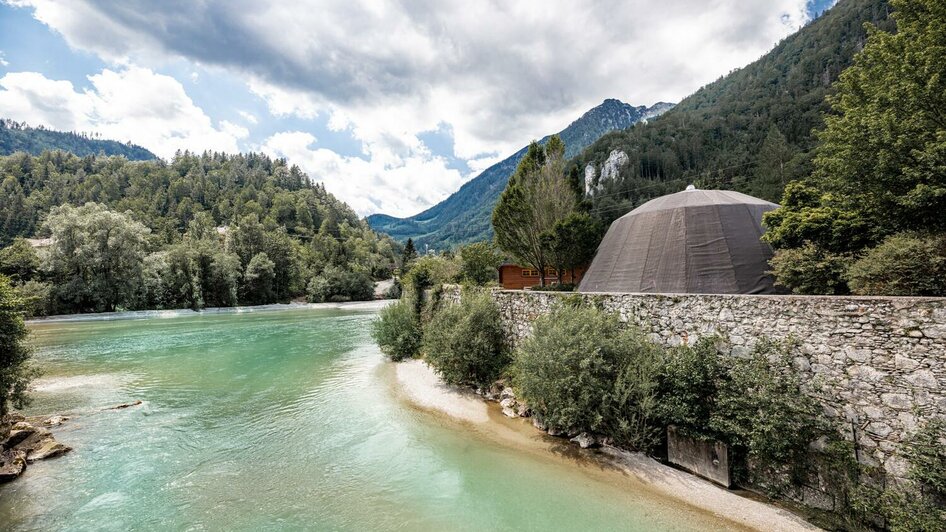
(19, 136)
(870, 216)
(749, 131)
(198, 231)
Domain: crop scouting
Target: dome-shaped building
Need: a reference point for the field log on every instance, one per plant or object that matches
(695, 241)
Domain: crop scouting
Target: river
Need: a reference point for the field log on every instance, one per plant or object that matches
(284, 420)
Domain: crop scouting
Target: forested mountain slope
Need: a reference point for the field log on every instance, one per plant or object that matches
(465, 216)
(749, 131)
(17, 136)
(199, 230)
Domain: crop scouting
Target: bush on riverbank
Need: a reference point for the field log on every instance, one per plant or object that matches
(762, 413)
(465, 343)
(864, 499)
(338, 285)
(397, 331)
(581, 371)
(15, 372)
(754, 404)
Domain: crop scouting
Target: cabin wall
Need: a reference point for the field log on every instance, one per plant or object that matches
(511, 277)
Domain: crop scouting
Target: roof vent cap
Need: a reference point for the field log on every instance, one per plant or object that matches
(691, 187)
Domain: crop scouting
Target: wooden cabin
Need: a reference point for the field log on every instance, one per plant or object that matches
(516, 277)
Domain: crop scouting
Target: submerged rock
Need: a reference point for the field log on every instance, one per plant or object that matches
(124, 405)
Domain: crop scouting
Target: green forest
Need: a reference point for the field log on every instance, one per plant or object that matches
(750, 131)
(19, 136)
(198, 231)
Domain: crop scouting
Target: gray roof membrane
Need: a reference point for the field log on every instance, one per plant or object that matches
(695, 241)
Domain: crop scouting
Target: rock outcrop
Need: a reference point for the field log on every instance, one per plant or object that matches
(25, 441)
(12, 464)
(610, 170)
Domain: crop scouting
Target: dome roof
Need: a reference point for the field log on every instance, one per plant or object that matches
(695, 241)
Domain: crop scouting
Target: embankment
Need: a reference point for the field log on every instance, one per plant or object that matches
(878, 364)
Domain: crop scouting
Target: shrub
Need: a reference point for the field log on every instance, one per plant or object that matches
(907, 510)
(906, 264)
(763, 414)
(811, 270)
(465, 343)
(630, 418)
(15, 372)
(688, 386)
(397, 331)
(580, 370)
(926, 451)
(337, 285)
(478, 263)
(35, 296)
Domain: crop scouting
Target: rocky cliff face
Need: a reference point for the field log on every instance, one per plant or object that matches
(610, 169)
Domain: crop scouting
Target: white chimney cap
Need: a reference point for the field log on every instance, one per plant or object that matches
(691, 187)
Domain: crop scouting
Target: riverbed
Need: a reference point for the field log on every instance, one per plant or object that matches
(289, 419)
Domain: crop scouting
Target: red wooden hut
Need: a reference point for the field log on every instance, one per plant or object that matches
(516, 277)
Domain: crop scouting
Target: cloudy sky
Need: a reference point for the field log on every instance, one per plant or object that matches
(392, 104)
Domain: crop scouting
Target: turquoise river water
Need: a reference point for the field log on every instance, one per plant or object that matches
(285, 420)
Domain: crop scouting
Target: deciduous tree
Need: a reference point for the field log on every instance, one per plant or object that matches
(537, 197)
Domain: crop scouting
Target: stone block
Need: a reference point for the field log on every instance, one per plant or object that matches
(707, 459)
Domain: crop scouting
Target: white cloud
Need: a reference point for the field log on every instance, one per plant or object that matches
(133, 104)
(497, 74)
(249, 117)
(398, 184)
(3, 61)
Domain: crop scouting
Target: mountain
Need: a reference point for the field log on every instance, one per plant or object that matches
(465, 216)
(17, 136)
(750, 131)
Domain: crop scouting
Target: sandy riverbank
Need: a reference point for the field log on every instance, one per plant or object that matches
(419, 385)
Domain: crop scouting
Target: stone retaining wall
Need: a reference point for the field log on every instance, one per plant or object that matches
(878, 364)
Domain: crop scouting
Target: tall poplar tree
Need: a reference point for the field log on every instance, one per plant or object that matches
(537, 197)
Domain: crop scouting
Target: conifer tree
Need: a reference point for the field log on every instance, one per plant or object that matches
(409, 254)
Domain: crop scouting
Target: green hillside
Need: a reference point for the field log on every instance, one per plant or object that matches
(750, 130)
(465, 216)
(17, 136)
